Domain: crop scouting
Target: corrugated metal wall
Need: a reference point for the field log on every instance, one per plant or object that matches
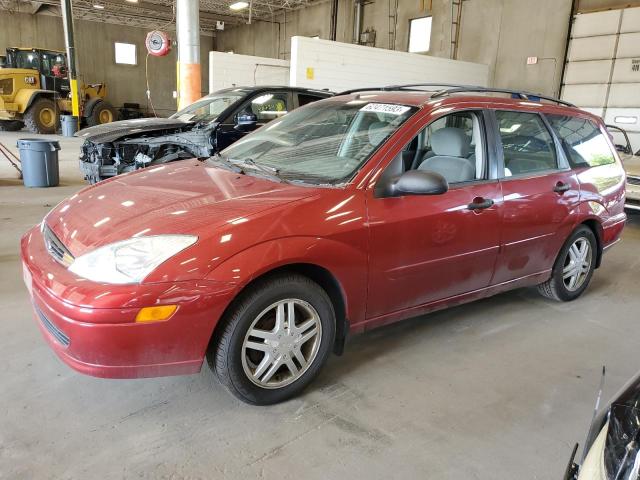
(602, 73)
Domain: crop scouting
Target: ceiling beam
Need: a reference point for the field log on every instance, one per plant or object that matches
(154, 14)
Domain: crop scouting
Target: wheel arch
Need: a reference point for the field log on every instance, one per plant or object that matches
(33, 95)
(320, 275)
(595, 226)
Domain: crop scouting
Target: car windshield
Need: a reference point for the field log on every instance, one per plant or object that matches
(208, 108)
(325, 142)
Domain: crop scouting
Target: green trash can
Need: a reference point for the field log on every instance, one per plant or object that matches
(39, 161)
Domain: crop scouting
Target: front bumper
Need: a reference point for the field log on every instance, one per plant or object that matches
(92, 328)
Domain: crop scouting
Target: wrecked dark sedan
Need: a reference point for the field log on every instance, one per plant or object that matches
(203, 128)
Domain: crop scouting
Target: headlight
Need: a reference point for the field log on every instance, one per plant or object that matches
(129, 261)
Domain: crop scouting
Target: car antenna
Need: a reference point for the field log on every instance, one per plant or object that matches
(595, 413)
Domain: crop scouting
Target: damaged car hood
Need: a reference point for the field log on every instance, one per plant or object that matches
(108, 132)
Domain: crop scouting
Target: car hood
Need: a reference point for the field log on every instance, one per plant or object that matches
(188, 197)
(631, 165)
(108, 132)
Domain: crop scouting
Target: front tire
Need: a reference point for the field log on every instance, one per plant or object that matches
(573, 268)
(42, 116)
(102, 112)
(274, 340)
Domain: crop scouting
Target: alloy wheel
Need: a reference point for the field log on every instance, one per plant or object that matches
(281, 343)
(577, 264)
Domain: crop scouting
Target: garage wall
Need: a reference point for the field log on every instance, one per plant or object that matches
(125, 83)
(498, 33)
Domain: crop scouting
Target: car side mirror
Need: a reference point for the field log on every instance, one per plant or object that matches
(245, 122)
(415, 182)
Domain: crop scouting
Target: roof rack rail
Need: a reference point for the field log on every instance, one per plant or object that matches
(522, 95)
(455, 88)
(409, 87)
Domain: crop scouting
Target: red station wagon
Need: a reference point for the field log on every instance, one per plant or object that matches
(344, 215)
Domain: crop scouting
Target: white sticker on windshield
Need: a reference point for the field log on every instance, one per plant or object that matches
(385, 108)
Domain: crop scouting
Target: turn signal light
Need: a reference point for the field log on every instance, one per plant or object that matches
(155, 314)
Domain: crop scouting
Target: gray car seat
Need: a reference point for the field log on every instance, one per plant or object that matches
(451, 148)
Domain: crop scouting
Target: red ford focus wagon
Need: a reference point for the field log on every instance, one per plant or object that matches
(347, 214)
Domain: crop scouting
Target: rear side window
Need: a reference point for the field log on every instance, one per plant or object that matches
(270, 106)
(582, 141)
(527, 145)
(304, 99)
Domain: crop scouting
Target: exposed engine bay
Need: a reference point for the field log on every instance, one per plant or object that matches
(103, 156)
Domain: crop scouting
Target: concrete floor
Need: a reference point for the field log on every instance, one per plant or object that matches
(498, 389)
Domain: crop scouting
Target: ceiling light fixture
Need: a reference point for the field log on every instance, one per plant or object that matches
(132, 1)
(238, 6)
(97, 6)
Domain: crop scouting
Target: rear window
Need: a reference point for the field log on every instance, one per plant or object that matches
(582, 141)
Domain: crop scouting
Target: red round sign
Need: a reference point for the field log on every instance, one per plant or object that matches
(158, 43)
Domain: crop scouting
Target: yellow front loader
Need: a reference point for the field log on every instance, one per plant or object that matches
(35, 91)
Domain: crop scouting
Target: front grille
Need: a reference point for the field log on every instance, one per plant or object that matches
(58, 334)
(633, 180)
(6, 86)
(56, 248)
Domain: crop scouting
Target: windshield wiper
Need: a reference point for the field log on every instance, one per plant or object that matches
(250, 164)
(308, 178)
(224, 163)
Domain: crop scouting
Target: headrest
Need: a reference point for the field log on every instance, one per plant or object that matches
(378, 132)
(450, 142)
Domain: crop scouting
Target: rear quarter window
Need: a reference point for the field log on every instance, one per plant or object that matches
(583, 142)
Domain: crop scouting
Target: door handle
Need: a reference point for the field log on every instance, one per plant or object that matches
(561, 187)
(480, 203)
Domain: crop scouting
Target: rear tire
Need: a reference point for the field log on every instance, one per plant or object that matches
(42, 116)
(11, 125)
(264, 354)
(573, 268)
(102, 112)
